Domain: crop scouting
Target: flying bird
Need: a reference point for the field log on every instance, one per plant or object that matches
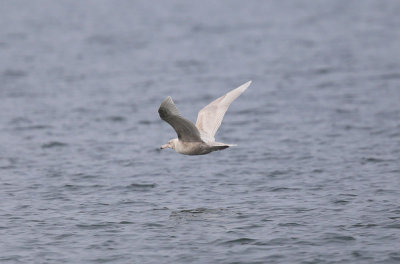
(198, 139)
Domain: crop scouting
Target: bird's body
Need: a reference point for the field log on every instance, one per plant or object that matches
(197, 148)
(198, 139)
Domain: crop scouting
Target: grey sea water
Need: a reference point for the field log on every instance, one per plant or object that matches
(315, 177)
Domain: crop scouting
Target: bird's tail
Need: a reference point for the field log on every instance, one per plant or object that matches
(221, 146)
(214, 148)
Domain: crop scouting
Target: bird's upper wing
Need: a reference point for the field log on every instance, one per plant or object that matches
(210, 117)
(185, 129)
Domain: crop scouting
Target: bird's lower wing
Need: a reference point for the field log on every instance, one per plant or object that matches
(185, 129)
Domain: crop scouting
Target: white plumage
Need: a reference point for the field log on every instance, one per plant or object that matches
(198, 139)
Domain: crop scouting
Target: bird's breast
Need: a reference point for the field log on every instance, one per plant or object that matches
(192, 148)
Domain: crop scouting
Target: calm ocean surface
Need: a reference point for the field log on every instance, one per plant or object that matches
(315, 177)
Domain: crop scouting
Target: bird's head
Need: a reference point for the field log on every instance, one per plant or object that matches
(171, 144)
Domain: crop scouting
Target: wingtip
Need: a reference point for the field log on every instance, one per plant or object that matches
(244, 86)
(168, 99)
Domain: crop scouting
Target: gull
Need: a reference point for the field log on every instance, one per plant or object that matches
(198, 139)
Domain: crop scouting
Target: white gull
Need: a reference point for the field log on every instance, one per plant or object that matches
(198, 139)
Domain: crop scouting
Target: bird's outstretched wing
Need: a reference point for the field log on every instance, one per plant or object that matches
(210, 117)
(185, 129)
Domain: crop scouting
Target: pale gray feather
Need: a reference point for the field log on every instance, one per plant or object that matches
(210, 117)
(185, 129)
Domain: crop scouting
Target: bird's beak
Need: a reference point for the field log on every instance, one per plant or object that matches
(164, 146)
